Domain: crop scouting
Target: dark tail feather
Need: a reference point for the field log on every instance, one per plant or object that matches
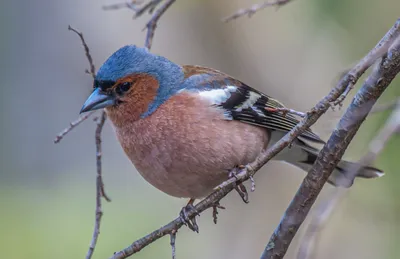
(342, 175)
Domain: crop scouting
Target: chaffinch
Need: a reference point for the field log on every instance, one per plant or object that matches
(185, 127)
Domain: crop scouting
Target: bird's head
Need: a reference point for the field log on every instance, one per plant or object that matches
(133, 82)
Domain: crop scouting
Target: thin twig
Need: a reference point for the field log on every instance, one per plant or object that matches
(380, 49)
(71, 126)
(152, 24)
(255, 8)
(87, 52)
(130, 5)
(323, 212)
(332, 152)
(221, 191)
(99, 185)
(148, 7)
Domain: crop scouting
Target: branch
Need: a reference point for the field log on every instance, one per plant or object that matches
(255, 8)
(74, 124)
(139, 11)
(99, 185)
(332, 152)
(325, 210)
(222, 190)
(100, 193)
(152, 24)
(87, 52)
(71, 126)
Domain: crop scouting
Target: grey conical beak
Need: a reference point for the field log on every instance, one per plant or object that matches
(97, 100)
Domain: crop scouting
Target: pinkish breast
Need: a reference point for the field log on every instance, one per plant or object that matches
(186, 147)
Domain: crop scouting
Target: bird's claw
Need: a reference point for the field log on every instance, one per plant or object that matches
(241, 189)
(184, 215)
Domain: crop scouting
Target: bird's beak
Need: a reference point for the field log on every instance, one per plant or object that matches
(98, 100)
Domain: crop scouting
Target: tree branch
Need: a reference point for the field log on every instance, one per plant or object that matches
(332, 152)
(152, 24)
(325, 209)
(71, 126)
(139, 11)
(100, 193)
(285, 231)
(255, 8)
(99, 185)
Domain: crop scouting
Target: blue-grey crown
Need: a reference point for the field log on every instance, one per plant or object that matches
(131, 60)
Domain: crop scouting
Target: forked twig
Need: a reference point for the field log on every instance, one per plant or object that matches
(71, 126)
(255, 8)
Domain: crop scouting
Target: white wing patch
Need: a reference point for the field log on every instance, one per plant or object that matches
(250, 101)
(218, 96)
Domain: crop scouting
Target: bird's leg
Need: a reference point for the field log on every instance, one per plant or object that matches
(240, 188)
(215, 207)
(190, 223)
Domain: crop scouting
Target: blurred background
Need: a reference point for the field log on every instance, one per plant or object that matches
(294, 54)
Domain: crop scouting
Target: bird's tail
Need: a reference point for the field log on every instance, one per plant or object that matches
(342, 175)
(303, 156)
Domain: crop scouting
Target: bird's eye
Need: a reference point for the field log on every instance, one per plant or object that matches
(123, 87)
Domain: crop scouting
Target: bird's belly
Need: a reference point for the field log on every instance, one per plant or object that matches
(187, 155)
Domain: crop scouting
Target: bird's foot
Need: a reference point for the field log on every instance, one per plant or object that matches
(184, 215)
(240, 188)
(215, 207)
(234, 172)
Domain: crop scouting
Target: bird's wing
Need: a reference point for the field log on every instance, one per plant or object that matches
(239, 101)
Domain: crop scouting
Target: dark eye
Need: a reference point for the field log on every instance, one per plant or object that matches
(123, 87)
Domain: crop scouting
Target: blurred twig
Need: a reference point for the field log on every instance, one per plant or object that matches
(323, 167)
(255, 8)
(325, 209)
(385, 106)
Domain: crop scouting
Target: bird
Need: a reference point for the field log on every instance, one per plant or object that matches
(186, 127)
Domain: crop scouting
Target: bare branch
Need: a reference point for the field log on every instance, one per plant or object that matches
(285, 232)
(255, 8)
(71, 126)
(325, 210)
(87, 52)
(152, 24)
(99, 186)
(131, 5)
(332, 152)
(139, 11)
(100, 193)
(380, 49)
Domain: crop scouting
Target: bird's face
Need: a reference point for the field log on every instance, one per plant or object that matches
(109, 93)
(125, 99)
(133, 82)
